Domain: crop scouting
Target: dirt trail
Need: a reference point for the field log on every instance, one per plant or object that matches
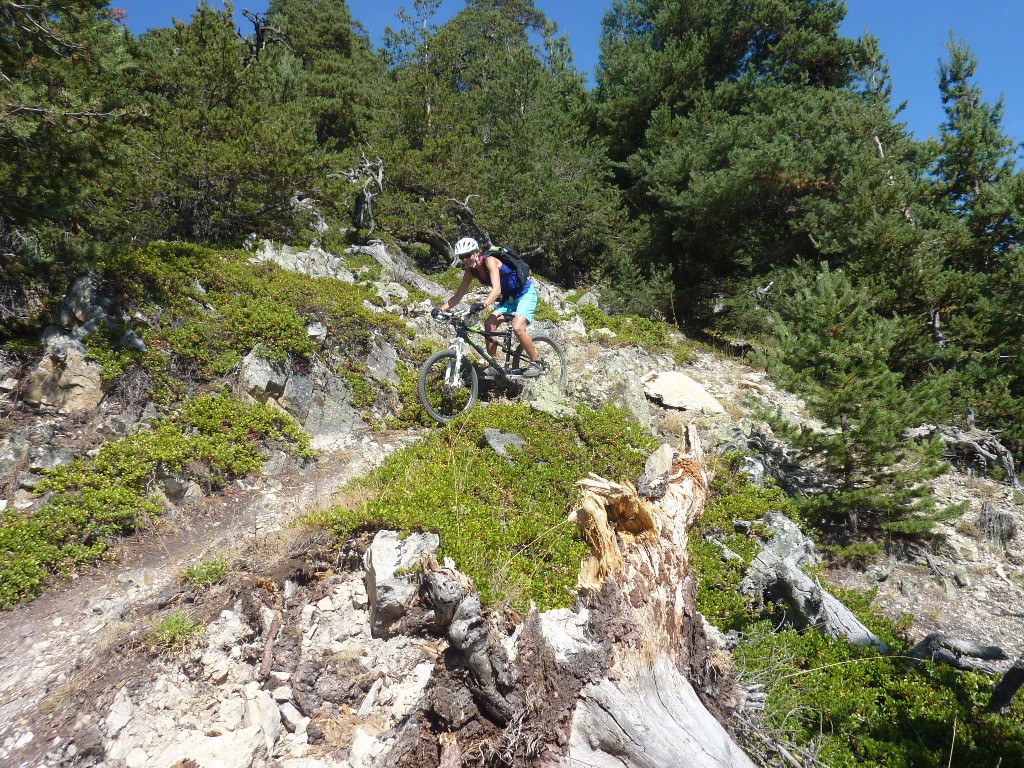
(47, 642)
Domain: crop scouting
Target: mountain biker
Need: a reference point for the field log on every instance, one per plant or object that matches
(503, 283)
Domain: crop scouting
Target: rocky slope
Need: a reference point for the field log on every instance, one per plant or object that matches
(79, 688)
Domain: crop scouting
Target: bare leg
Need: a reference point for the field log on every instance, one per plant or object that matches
(519, 328)
(491, 324)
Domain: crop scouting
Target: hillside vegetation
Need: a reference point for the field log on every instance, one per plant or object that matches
(738, 173)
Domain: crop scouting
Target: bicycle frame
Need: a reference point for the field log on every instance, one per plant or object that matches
(462, 338)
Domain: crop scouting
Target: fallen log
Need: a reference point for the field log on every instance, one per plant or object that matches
(961, 654)
(773, 579)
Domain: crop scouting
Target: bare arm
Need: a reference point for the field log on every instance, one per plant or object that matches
(467, 280)
(494, 268)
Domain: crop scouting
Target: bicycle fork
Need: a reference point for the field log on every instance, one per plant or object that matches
(453, 376)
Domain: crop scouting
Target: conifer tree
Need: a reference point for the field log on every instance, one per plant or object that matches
(478, 113)
(739, 127)
(834, 349)
(338, 73)
(975, 166)
(60, 111)
(220, 146)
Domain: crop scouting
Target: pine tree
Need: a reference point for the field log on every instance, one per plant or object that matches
(975, 166)
(978, 210)
(338, 73)
(480, 113)
(220, 146)
(834, 350)
(60, 111)
(742, 129)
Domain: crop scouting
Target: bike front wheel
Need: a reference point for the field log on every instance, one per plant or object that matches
(443, 391)
(556, 364)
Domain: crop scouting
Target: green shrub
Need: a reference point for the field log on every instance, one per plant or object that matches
(733, 498)
(503, 522)
(215, 437)
(206, 573)
(174, 633)
(214, 307)
(859, 707)
(450, 278)
(630, 330)
(546, 312)
(114, 360)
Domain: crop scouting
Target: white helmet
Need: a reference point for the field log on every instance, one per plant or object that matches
(466, 245)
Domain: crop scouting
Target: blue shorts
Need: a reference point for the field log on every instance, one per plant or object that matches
(524, 305)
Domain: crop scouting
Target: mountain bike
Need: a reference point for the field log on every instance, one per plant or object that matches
(449, 381)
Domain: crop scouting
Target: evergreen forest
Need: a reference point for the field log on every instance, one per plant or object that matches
(739, 170)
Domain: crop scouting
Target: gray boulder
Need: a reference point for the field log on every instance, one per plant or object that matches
(262, 379)
(390, 583)
(63, 379)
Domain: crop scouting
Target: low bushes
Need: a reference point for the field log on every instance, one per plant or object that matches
(503, 521)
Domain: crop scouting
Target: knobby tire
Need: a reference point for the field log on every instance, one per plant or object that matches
(442, 402)
(550, 352)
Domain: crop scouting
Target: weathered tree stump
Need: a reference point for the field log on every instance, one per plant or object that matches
(647, 709)
(623, 679)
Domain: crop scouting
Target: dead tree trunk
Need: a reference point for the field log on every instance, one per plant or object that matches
(457, 611)
(961, 654)
(623, 679)
(1007, 687)
(646, 710)
(770, 577)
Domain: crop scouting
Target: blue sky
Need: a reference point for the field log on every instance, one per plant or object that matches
(912, 33)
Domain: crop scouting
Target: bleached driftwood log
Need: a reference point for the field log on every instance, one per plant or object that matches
(646, 709)
(772, 578)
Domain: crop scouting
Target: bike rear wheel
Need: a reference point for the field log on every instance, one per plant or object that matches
(551, 354)
(443, 391)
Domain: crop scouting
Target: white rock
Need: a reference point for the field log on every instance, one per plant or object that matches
(261, 710)
(24, 740)
(391, 594)
(216, 666)
(231, 714)
(677, 390)
(371, 697)
(292, 718)
(241, 749)
(364, 748)
(136, 758)
(411, 690)
(121, 712)
(326, 604)
(564, 630)
(282, 693)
